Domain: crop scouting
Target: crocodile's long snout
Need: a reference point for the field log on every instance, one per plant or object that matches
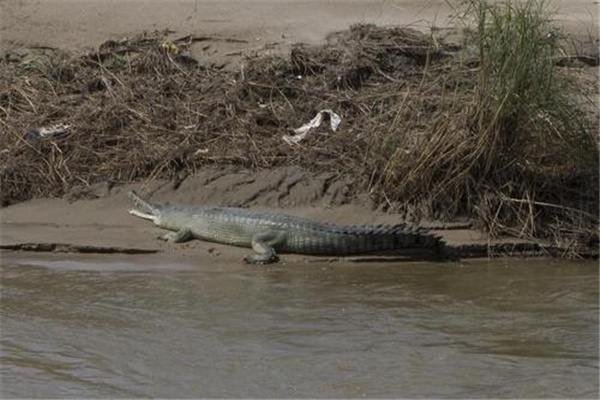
(150, 211)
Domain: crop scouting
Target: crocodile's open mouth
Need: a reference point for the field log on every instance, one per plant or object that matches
(150, 210)
(144, 215)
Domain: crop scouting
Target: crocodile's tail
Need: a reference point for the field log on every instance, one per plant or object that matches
(414, 241)
(401, 239)
(150, 211)
(396, 238)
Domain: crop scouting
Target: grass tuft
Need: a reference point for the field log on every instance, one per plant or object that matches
(521, 153)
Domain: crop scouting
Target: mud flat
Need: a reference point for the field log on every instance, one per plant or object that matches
(100, 226)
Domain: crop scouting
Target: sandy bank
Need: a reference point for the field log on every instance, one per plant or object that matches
(101, 225)
(95, 220)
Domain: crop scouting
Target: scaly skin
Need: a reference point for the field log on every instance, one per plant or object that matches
(269, 233)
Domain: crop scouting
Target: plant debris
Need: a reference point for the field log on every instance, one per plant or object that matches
(142, 108)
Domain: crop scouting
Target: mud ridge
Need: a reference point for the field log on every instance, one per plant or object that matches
(71, 248)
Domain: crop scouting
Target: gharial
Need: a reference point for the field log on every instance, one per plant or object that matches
(270, 233)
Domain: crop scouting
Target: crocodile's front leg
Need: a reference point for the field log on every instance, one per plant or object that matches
(180, 236)
(263, 245)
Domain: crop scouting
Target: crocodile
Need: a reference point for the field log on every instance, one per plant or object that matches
(271, 233)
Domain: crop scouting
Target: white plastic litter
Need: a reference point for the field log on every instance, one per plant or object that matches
(48, 131)
(54, 130)
(301, 132)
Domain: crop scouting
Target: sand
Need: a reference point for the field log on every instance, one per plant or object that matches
(271, 25)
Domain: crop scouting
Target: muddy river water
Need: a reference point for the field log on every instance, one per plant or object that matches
(504, 328)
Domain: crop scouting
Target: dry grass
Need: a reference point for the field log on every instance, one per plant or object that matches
(498, 138)
(137, 110)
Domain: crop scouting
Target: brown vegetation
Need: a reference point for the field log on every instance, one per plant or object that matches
(141, 109)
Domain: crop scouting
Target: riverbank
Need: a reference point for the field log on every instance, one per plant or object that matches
(101, 226)
(422, 138)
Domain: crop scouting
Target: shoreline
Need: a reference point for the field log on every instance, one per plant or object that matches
(101, 227)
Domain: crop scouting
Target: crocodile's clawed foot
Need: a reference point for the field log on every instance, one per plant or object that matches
(261, 260)
(164, 238)
(177, 237)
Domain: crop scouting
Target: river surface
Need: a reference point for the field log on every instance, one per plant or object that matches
(504, 329)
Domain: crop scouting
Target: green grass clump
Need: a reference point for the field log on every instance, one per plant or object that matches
(524, 106)
(520, 152)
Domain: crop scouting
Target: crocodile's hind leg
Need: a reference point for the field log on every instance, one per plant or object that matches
(263, 245)
(180, 236)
